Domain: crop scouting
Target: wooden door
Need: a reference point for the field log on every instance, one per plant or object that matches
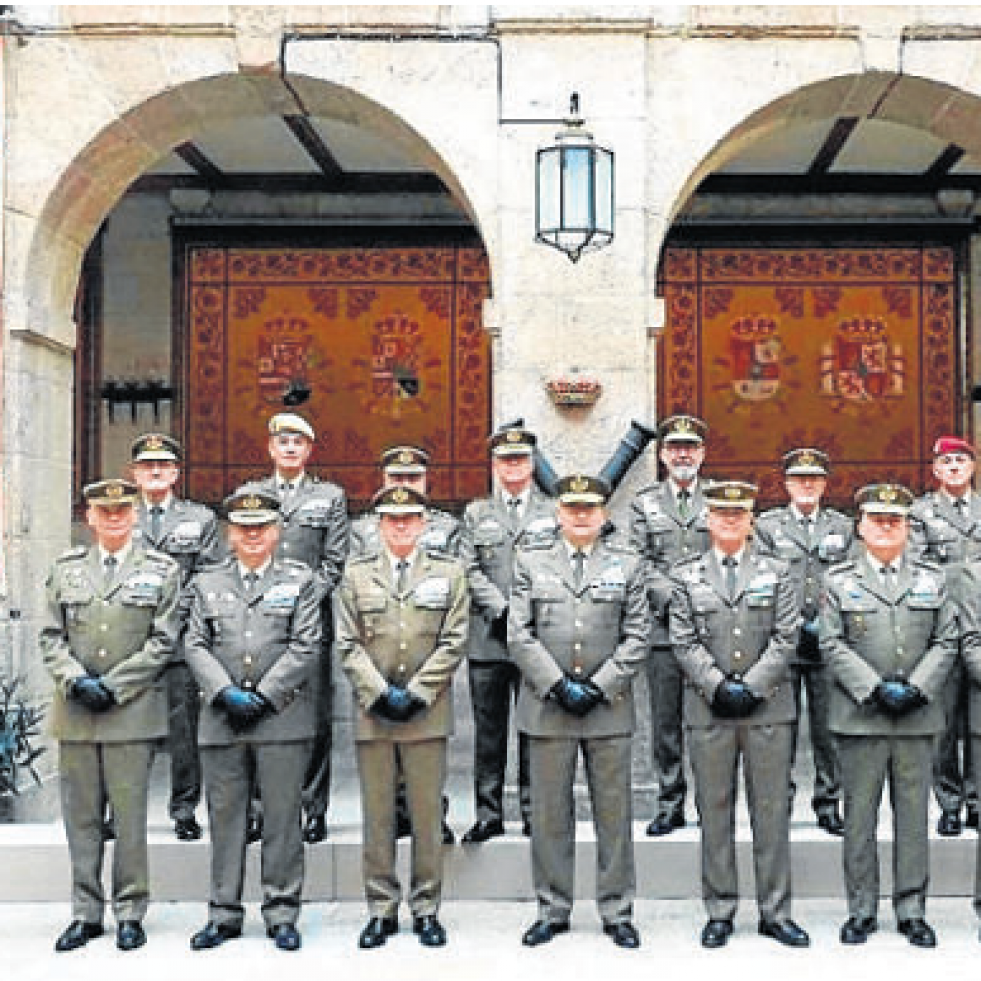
(851, 350)
(389, 340)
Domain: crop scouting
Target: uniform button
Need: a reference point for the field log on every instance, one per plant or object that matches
(578, 669)
(247, 659)
(103, 626)
(403, 645)
(102, 653)
(247, 684)
(402, 668)
(248, 633)
(578, 646)
(579, 623)
(737, 655)
(401, 626)
(736, 631)
(578, 599)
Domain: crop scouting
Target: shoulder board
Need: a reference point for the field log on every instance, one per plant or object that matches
(363, 558)
(690, 560)
(161, 558)
(922, 563)
(79, 552)
(293, 565)
(615, 541)
(848, 565)
(195, 506)
(652, 488)
(439, 556)
(536, 543)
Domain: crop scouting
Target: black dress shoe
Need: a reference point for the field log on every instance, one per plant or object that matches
(918, 932)
(526, 828)
(542, 931)
(448, 837)
(109, 829)
(785, 932)
(187, 829)
(377, 930)
(129, 935)
(971, 821)
(664, 824)
(214, 935)
(949, 824)
(831, 822)
(315, 830)
(77, 934)
(403, 826)
(483, 831)
(285, 936)
(429, 930)
(253, 829)
(716, 933)
(856, 929)
(622, 934)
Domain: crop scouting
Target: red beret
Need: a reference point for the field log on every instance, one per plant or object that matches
(952, 444)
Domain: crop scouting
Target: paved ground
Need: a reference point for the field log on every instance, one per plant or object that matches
(484, 944)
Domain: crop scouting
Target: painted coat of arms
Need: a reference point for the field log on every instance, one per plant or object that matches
(755, 348)
(282, 353)
(860, 364)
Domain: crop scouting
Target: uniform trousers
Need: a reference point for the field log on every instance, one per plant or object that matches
(316, 781)
(953, 775)
(867, 762)
(423, 768)
(812, 679)
(664, 686)
(553, 824)
(716, 751)
(493, 690)
(230, 772)
(92, 776)
(976, 754)
(184, 708)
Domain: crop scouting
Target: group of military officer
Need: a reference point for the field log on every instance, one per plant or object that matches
(556, 611)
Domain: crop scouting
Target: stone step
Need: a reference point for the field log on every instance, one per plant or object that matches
(34, 859)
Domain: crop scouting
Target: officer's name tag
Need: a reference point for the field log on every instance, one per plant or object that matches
(281, 598)
(143, 589)
(760, 590)
(610, 586)
(540, 531)
(433, 593)
(925, 589)
(187, 533)
(435, 538)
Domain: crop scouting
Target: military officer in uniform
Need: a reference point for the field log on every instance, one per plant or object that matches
(809, 538)
(111, 627)
(734, 618)
(945, 527)
(188, 533)
(401, 627)
(492, 529)
(315, 531)
(408, 466)
(578, 632)
(889, 634)
(253, 643)
(667, 524)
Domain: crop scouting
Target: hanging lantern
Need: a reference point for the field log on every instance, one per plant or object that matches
(574, 190)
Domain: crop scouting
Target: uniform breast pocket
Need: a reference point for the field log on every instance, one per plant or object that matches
(922, 617)
(77, 614)
(547, 604)
(707, 617)
(856, 618)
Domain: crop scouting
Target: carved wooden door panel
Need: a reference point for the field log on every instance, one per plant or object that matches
(389, 340)
(851, 350)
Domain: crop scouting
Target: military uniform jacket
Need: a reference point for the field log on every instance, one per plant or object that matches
(752, 635)
(315, 529)
(487, 548)
(598, 631)
(663, 537)
(867, 634)
(124, 634)
(441, 534)
(414, 639)
(779, 533)
(940, 533)
(266, 640)
(967, 587)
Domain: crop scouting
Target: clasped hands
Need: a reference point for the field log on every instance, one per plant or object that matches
(734, 699)
(578, 698)
(243, 708)
(397, 704)
(896, 696)
(92, 693)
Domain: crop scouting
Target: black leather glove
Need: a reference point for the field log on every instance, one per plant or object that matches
(499, 627)
(733, 699)
(897, 697)
(397, 704)
(93, 694)
(243, 708)
(575, 697)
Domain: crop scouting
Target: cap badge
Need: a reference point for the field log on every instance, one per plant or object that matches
(114, 490)
(513, 436)
(732, 493)
(251, 503)
(405, 456)
(400, 495)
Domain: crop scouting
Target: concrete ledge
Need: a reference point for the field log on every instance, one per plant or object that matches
(34, 858)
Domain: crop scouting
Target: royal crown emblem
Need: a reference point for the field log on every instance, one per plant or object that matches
(732, 493)
(807, 459)
(405, 456)
(683, 426)
(154, 443)
(888, 494)
(251, 503)
(513, 436)
(579, 484)
(400, 495)
(114, 490)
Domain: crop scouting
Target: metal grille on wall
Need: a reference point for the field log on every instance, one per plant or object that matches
(851, 350)
(389, 340)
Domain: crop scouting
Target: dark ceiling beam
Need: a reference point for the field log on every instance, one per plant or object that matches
(774, 184)
(347, 183)
(836, 139)
(318, 151)
(196, 159)
(945, 162)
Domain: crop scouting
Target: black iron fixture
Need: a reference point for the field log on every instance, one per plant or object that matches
(297, 392)
(134, 393)
(574, 190)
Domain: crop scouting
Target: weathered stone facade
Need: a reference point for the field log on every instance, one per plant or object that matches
(93, 97)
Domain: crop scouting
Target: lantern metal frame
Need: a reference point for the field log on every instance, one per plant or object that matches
(574, 190)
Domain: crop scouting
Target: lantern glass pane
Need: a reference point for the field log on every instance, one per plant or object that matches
(576, 188)
(604, 191)
(549, 213)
